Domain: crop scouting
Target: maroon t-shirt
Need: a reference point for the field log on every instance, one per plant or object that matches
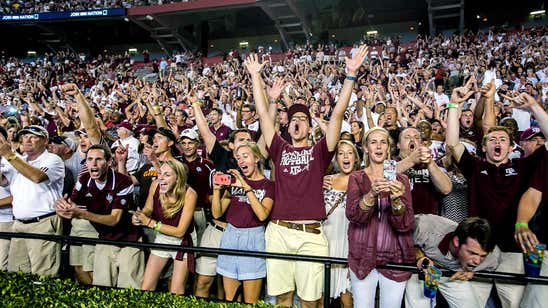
(117, 194)
(199, 173)
(222, 133)
(426, 198)
(239, 213)
(299, 178)
(540, 178)
(494, 192)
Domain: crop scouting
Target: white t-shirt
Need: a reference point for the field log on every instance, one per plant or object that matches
(441, 99)
(522, 117)
(30, 199)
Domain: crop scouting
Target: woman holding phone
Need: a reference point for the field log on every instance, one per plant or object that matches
(169, 210)
(381, 224)
(247, 202)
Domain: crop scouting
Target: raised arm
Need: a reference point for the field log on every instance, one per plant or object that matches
(208, 137)
(254, 68)
(488, 97)
(87, 116)
(334, 127)
(458, 96)
(527, 102)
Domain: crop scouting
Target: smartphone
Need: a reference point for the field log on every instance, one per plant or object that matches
(389, 170)
(222, 179)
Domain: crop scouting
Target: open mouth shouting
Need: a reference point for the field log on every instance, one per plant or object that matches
(412, 146)
(497, 151)
(164, 186)
(246, 170)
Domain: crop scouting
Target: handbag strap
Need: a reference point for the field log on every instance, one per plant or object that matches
(339, 200)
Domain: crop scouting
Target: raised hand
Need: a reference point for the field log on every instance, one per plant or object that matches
(275, 91)
(120, 155)
(461, 94)
(253, 65)
(524, 101)
(489, 89)
(70, 89)
(353, 65)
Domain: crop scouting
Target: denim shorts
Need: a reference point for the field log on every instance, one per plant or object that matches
(237, 267)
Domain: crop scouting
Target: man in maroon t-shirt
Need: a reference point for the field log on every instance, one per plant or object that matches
(536, 196)
(295, 225)
(104, 197)
(496, 183)
(428, 181)
(221, 131)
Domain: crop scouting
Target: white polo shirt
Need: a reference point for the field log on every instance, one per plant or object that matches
(30, 199)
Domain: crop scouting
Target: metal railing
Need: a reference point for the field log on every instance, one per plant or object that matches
(66, 241)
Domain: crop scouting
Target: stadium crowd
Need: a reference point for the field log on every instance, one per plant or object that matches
(292, 157)
(43, 6)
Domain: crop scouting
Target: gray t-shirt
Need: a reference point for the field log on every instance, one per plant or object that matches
(428, 233)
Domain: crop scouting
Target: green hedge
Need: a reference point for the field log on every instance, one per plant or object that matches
(31, 291)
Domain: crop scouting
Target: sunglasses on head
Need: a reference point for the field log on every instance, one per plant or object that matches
(58, 140)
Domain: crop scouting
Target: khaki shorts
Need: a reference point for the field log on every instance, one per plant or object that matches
(200, 224)
(5, 245)
(282, 276)
(121, 267)
(207, 265)
(36, 256)
(82, 255)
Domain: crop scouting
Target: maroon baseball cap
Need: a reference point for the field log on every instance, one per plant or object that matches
(126, 125)
(530, 133)
(299, 108)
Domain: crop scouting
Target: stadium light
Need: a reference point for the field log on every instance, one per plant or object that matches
(126, 19)
(372, 32)
(132, 50)
(244, 44)
(539, 12)
(31, 53)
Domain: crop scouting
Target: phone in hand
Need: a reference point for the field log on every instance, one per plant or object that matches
(222, 179)
(389, 170)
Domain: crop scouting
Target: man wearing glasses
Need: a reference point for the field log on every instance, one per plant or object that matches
(36, 181)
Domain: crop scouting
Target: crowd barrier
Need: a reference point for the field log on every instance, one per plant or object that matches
(66, 241)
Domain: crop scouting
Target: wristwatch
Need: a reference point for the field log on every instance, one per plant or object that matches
(397, 205)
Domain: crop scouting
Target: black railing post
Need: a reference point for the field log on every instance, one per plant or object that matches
(64, 271)
(326, 283)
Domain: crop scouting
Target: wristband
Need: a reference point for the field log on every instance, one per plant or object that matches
(197, 104)
(452, 105)
(158, 225)
(353, 78)
(522, 224)
(11, 157)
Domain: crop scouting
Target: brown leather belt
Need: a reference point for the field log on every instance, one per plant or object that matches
(310, 228)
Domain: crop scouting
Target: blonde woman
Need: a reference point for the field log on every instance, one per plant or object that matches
(380, 230)
(247, 203)
(169, 210)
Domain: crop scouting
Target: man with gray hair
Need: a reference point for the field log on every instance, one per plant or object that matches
(36, 181)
